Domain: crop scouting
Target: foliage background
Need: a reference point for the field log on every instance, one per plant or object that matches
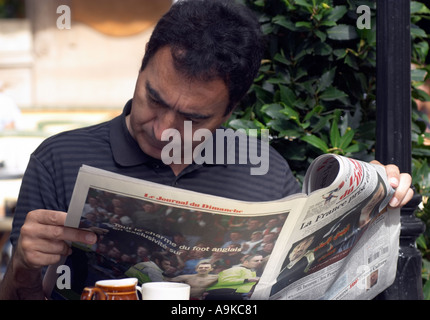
(316, 89)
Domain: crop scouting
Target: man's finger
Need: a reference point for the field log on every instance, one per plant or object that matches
(48, 224)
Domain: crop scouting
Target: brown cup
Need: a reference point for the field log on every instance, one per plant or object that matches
(117, 289)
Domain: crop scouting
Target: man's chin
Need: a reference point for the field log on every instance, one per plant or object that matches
(153, 152)
(156, 151)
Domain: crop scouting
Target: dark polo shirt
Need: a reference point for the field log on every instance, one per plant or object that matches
(51, 174)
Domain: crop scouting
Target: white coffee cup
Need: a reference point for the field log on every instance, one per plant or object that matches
(165, 291)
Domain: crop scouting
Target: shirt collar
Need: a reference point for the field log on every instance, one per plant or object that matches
(125, 149)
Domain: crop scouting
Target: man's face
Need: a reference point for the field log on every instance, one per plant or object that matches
(165, 265)
(204, 268)
(164, 99)
(300, 249)
(255, 262)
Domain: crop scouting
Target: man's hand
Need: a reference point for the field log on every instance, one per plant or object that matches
(42, 242)
(43, 238)
(401, 182)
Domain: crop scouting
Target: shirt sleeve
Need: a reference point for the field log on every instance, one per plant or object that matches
(37, 191)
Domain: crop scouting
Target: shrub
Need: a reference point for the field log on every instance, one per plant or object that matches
(316, 89)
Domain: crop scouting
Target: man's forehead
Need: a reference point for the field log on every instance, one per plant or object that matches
(158, 96)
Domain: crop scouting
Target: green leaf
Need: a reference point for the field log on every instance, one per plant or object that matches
(340, 53)
(355, 148)
(332, 94)
(322, 122)
(314, 111)
(351, 61)
(267, 28)
(417, 7)
(274, 111)
(420, 94)
(346, 139)
(342, 32)
(328, 23)
(421, 242)
(334, 135)
(242, 124)
(262, 94)
(323, 49)
(321, 35)
(287, 95)
(336, 13)
(417, 32)
(282, 21)
(300, 72)
(418, 74)
(420, 152)
(304, 24)
(290, 133)
(426, 267)
(326, 79)
(316, 142)
(281, 58)
(426, 291)
(304, 3)
(291, 113)
(259, 3)
(422, 50)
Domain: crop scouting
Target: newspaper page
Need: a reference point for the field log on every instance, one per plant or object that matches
(161, 233)
(345, 245)
(337, 242)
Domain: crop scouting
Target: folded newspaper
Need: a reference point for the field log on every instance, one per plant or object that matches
(336, 240)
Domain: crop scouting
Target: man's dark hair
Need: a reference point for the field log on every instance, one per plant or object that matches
(211, 39)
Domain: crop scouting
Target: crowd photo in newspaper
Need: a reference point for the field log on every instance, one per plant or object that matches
(313, 245)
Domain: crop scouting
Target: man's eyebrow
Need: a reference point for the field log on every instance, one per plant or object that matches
(156, 96)
(195, 116)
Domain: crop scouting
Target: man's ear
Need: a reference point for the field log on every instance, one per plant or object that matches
(228, 115)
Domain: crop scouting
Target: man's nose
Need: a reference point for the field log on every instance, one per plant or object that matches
(164, 122)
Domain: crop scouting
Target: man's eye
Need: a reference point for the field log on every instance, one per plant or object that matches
(153, 101)
(193, 120)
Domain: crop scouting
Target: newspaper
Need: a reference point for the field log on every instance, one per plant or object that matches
(336, 240)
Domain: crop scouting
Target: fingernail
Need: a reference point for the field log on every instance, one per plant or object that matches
(394, 202)
(394, 182)
(91, 238)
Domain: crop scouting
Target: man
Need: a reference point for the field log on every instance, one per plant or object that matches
(199, 281)
(200, 61)
(237, 282)
(299, 260)
(150, 271)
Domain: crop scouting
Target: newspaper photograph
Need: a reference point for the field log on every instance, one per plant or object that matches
(345, 244)
(336, 240)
